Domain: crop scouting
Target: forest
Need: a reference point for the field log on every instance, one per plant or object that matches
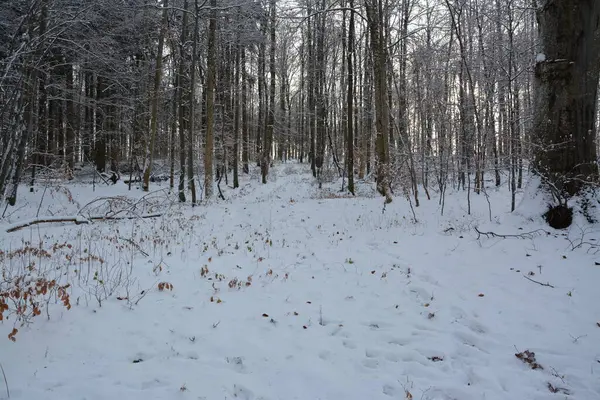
(299, 199)
(413, 93)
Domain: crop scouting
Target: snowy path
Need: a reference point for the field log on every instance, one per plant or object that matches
(344, 303)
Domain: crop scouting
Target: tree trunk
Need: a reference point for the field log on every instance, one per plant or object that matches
(181, 79)
(378, 48)
(192, 108)
(154, 111)
(266, 157)
(566, 79)
(236, 120)
(350, 103)
(244, 105)
(210, 101)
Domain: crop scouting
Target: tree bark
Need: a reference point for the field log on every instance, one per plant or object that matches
(382, 120)
(566, 80)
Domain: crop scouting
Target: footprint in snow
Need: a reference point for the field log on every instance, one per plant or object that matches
(422, 295)
(400, 342)
(349, 345)
(371, 363)
(371, 353)
(241, 392)
(390, 390)
(475, 326)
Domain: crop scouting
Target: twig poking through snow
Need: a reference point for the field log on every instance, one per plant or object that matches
(576, 339)
(5, 381)
(539, 283)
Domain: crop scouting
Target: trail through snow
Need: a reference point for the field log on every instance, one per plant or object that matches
(337, 299)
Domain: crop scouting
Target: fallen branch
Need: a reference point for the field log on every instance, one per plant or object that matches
(46, 220)
(77, 220)
(116, 218)
(539, 283)
(525, 235)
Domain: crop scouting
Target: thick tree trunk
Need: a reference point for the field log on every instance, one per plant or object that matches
(378, 48)
(566, 79)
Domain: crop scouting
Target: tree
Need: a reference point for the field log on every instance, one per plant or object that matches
(382, 120)
(350, 104)
(154, 111)
(210, 101)
(566, 82)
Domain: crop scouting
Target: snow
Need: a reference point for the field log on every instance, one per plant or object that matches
(345, 300)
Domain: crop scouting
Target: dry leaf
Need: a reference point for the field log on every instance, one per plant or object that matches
(481, 295)
(12, 335)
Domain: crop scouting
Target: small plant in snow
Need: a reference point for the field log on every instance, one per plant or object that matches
(28, 285)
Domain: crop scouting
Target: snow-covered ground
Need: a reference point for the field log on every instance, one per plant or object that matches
(285, 291)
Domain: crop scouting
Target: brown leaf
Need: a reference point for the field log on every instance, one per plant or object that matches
(481, 295)
(12, 335)
(266, 315)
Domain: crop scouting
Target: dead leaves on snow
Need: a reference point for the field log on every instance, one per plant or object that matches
(162, 286)
(528, 357)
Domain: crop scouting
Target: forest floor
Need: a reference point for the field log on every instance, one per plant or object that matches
(287, 291)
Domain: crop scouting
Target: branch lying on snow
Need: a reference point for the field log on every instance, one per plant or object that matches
(525, 235)
(116, 217)
(539, 283)
(45, 220)
(77, 220)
